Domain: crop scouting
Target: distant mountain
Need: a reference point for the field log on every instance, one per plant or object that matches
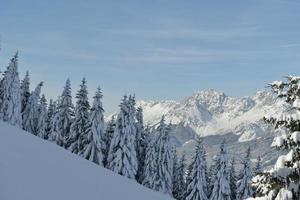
(216, 116)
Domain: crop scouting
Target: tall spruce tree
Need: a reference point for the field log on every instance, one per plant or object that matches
(164, 171)
(10, 94)
(258, 167)
(150, 164)
(65, 115)
(55, 133)
(49, 119)
(42, 118)
(197, 187)
(79, 137)
(244, 188)
(31, 113)
(95, 148)
(221, 184)
(283, 180)
(233, 179)
(108, 135)
(25, 91)
(122, 157)
(140, 143)
(179, 185)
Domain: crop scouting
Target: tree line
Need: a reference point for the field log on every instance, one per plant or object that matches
(124, 144)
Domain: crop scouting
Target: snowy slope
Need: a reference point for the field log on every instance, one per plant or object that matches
(34, 169)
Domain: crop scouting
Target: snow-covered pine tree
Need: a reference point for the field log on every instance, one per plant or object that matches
(150, 164)
(79, 137)
(244, 188)
(140, 143)
(179, 185)
(65, 114)
(122, 157)
(258, 168)
(55, 135)
(175, 167)
(42, 118)
(197, 182)
(94, 150)
(31, 112)
(283, 180)
(233, 179)
(108, 135)
(221, 184)
(25, 91)
(164, 171)
(49, 119)
(10, 94)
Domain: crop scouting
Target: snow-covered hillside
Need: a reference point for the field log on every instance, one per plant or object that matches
(34, 169)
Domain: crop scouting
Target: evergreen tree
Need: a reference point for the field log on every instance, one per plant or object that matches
(65, 114)
(179, 185)
(140, 143)
(122, 157)
(49, 119)
(42, 118)
(79, 137)
(94, 150)
(244, 189)
(175, 173)
(283, 180)
(10, 107)
(108, 135)
(150, 164)
(258, 168)
(163, 178)
(31, 113)
(233, 179)
(55, 133)
(221, 184)
(25, 91)
(197, 183)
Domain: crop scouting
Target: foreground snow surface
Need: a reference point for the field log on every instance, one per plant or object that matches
(34, 169)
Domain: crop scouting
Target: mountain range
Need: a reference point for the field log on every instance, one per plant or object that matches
(216, 117)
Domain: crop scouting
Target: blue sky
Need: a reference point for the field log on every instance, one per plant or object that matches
(163, 49)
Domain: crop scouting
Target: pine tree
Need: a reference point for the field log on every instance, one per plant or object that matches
(283, 180)
(31, 113)
(244, 189)
(79, 137)
(179, 185)
(10, 107)
(55, 133)
(42, 118)
(49, 119)
(108, 135)
(221, 184)
(233, 179)
(94, 150)
(163, 178)
(197, 182)
(150, 164)
(25, 91)
(65, 114)
(258, 168)
(175, 173)
(122, 157)
(140, 143)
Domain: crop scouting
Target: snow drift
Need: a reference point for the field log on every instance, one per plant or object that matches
(34, 169)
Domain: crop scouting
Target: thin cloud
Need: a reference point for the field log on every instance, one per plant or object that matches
(185, 33)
